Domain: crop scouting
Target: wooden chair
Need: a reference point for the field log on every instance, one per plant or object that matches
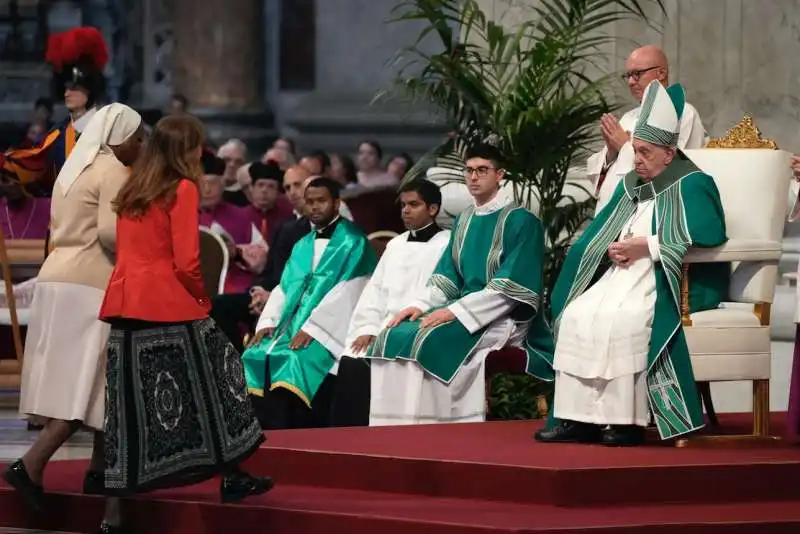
(375, 210)
(380, 239)
(732, 343)
(10, 370)
(214, 261)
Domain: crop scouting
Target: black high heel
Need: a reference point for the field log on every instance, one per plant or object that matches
(239, 485)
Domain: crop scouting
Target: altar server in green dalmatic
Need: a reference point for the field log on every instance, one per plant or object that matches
(485, 293)
(620, 348)
(305, 320)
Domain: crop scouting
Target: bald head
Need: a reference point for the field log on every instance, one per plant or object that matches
(294, 184)
(283, 158)
(644, 65)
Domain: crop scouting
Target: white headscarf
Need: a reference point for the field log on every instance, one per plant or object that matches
(112, 125)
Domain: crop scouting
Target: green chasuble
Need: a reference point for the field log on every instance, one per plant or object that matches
(347, 256)
(502, 251)
(687, 212)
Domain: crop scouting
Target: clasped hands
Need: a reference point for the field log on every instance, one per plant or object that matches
(624, 253)
(796, 167)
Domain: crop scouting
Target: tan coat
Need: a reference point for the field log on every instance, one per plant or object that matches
(83, 226)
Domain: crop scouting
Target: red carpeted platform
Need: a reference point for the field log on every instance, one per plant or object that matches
(461, 479)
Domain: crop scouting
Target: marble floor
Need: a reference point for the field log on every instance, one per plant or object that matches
(15, 438)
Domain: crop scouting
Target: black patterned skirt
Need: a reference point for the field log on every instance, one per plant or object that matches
(177, 410)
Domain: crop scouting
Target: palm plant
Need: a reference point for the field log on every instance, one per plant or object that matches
(528, 88)
(535, 90)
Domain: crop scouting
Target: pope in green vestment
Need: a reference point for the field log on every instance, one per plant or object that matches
(490, 277)
(319, 288)
(633, 332)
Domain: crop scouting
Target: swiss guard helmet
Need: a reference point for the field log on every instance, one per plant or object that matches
(78, 57)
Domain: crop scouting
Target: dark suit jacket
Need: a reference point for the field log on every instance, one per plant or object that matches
(287, 234)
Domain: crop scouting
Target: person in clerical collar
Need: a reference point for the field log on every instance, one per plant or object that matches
(621, 354)
(403, 270)
(485, 293)
(303, 326)
(78, 57)
(269, 206)
(23, 216)
(234, 224)
(234, 153)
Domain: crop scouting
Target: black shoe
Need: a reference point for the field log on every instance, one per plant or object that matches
(570, 432)
(105, 528)
(623, 436)
(94, 483)
(237, 486)
(17, 477)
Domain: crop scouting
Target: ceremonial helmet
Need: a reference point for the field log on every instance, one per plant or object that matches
(78, 57)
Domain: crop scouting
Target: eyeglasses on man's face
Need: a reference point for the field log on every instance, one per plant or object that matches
(635, 75)
(481, 172)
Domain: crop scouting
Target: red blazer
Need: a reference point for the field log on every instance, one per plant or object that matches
(157, 274)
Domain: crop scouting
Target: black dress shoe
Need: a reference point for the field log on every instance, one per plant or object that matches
(17, 477)
(570, 432)
(623, 436)
(237, 486)
(94, 483)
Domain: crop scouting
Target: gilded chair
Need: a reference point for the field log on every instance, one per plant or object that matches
(214, 261)
(732, 343)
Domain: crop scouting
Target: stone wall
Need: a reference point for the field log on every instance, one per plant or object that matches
(733, 57)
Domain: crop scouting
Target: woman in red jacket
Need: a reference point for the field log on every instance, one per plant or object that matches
(177, 410)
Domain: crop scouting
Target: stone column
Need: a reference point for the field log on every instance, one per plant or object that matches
(217, 62)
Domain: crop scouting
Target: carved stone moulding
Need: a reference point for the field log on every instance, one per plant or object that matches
(744, 135)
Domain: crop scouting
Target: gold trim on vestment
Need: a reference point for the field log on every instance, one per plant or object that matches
(294, 389)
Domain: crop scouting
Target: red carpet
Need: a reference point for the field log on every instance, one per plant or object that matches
(460, 479)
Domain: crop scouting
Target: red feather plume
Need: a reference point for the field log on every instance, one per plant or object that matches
(72, 45)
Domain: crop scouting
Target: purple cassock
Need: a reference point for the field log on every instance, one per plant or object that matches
(238, 223)
(29, 218)
(267, 222)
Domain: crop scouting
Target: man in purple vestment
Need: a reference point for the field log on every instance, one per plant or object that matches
(270, 207)
(234, 224)
(23, 216)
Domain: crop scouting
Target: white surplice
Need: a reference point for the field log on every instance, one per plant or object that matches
(604, 339)
(328, 322)
(402, 272)
(402, 393)
(692, 135)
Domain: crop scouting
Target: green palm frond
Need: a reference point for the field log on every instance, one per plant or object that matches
(536, 86)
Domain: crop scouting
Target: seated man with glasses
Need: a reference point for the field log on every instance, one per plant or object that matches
(484, 294)
(606, 168)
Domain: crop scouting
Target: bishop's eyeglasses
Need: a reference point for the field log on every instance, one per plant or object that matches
(636, 74)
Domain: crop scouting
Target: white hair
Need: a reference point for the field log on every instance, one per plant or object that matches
(233, 143)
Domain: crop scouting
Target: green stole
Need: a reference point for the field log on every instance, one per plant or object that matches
(688, 212)
(347, 256)
(500, 251)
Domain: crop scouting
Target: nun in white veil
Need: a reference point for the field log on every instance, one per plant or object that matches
(63, 374)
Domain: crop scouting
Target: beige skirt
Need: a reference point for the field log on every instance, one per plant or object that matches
(63, 373)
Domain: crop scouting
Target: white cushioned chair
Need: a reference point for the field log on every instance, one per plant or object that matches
(732, 343)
